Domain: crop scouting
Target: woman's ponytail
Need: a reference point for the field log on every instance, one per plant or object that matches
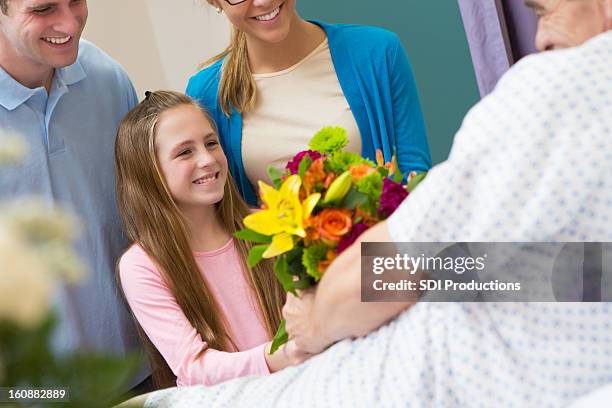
(237, 88)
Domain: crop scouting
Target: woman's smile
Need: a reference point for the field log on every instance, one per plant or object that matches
(269, 16)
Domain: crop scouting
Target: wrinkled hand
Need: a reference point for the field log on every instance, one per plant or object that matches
(299, 323)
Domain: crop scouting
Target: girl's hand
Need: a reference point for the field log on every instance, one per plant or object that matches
(294, 354)
(299, 323)
(289, 354)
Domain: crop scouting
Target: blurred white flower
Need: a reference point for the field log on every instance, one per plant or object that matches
(35, 249)
(61, 260)
(39, 221)
(50, 232)
(12, 149)
(25, 283)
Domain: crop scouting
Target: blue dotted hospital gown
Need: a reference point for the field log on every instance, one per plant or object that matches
(531, 162)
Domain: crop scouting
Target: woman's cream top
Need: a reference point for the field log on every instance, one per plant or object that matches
(292, 105)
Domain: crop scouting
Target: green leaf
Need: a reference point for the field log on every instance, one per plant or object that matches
(250, 235)
(397, 177)
(295, 253)
(294, 259)
(353, 199)
(281, 270)
(275, 176)
(415, 181)
(384, 172)
(256, 254)
(304, 283)
(304, 165)
(280, 338)
(93, 380)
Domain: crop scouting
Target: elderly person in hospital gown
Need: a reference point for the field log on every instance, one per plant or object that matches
(531, 162)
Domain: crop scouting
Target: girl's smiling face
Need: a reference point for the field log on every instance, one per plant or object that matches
(190, 158)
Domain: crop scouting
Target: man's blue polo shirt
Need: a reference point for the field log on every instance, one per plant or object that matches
(71, 136)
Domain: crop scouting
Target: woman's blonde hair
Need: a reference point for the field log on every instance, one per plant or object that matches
(237, 88)
(152, 220)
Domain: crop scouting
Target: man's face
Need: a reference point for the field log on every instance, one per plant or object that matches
(43, 33)
(568, 23)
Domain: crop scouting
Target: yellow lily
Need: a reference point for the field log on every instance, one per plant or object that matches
(284, 215)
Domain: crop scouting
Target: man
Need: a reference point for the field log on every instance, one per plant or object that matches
(531, 162)
(66, 98)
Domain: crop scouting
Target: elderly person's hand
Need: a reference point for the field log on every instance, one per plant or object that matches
(299, 322)
(334, 310)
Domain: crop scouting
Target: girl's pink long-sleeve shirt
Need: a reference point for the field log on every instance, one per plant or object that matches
(173, 335)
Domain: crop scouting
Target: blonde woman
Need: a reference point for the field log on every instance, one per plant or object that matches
(282, 78)
(204, 316)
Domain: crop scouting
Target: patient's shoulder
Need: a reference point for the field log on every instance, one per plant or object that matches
(566, 70)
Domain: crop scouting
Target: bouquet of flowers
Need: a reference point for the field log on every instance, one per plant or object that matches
(318, 207)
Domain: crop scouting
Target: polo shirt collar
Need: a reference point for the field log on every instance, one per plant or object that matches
(71, 74)
(13, 94)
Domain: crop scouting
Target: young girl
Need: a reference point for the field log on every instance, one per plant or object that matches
(206, 317)
(283, 78)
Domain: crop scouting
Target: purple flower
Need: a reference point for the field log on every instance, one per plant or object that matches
(392, 196)
(294, 164)
(347, 240)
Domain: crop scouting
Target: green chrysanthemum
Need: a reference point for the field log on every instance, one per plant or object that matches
(311, 258)
(372, 186)
(339, 162)
(329, 139)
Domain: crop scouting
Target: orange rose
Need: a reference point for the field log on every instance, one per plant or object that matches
(332, 224)
(360, 171)
(314, 175)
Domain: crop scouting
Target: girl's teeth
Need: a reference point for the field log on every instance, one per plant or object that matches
(56, 40)
(205, 179)
(270, 16)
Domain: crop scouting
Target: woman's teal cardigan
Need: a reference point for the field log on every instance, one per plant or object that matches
(377, 81)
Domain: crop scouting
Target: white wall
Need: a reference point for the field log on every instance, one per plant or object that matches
(159, 42)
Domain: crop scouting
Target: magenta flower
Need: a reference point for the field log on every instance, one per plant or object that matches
(348, 239)
(392, 196)
(294, 164)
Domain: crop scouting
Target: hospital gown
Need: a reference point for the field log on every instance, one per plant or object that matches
(531, 162)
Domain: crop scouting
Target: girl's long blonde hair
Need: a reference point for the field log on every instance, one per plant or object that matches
(237, 88)
(152, 220)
